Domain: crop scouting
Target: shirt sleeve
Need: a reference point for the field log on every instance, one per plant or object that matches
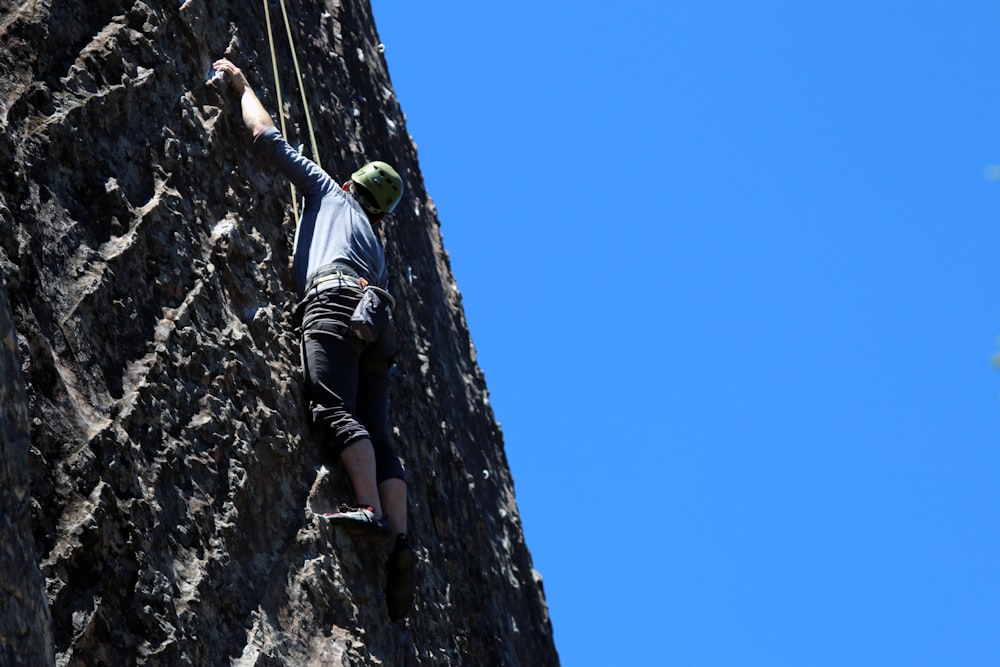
(305, 174)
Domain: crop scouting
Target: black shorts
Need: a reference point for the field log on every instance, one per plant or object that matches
(348, 382)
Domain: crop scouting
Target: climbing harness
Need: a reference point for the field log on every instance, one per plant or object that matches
(372, 313)
(333, 271)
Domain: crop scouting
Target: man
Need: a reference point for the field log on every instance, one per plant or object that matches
(337, 256)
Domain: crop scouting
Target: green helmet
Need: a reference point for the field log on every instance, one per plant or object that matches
(382, 182)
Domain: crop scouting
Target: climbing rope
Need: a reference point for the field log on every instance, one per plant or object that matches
(277, 90)
(302, 88)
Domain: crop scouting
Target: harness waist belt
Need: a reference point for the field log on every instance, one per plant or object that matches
(333, 271)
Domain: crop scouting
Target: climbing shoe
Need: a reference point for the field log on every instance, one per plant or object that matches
(399, 584)
(360, 520)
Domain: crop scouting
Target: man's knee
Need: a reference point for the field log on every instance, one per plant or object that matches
(387, 464)
(341, 436)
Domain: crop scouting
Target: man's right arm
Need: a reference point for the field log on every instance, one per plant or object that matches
(303, 172)
(255, 116)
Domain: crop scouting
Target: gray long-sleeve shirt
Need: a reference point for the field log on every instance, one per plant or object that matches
(332, 226)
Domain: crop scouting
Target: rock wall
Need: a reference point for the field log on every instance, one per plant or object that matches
(158, 478)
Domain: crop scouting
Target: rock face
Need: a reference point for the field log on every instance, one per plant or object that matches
(158, 477)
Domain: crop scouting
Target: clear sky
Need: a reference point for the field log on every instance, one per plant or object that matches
(732, 270)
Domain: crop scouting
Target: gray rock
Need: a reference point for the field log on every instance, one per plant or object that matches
(158, 478)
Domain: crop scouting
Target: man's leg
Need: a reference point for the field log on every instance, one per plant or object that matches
(393, 495)
(358, 460)
(330, 365)
(373, 411)
(373, 394)
(400, 586)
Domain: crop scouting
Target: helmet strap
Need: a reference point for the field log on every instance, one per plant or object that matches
(374, 215)
(361, 199)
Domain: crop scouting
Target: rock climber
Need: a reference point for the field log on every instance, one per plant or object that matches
(338, 260)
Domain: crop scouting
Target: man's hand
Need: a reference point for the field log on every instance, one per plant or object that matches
(255, 117)
(236, 78)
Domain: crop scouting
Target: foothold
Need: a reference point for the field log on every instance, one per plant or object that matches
(486, 474)
(381, 48)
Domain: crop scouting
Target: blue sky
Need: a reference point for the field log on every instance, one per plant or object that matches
(732, 273)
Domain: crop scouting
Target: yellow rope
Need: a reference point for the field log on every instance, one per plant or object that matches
(302, 89)
(277, 88)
